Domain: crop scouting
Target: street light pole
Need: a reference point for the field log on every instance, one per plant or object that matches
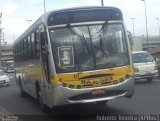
(158, 27)
(0, 50)
(44, 5)
(1, 38)
(102, 3)
(146, 23)
(29, 22)
(133, 26)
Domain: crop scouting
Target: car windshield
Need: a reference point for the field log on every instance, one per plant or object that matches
(2, 73)
(88, 47)
(142, 57)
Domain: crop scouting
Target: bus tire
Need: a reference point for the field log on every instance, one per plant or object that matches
(44, 108)
(22, 93)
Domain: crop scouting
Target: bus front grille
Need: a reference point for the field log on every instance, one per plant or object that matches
(90, 96)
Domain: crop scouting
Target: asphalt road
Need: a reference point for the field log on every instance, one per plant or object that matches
(146, 101)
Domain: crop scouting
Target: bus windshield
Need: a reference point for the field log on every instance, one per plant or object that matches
(89, 47)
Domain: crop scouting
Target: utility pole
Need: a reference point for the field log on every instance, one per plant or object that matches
(44, 5)
(102, 3)
(29, 21)
(158, 26)
(146, 23)
(133, 26)
(0, 40)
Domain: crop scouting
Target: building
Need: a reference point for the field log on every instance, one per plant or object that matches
(140, 43)
(6, 53)
(153, 42)
(137, 44)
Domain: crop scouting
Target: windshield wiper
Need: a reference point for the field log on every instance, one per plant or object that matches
(85, 43)
(94, 56)
(73, 30)
(101, 45)
(81, 37)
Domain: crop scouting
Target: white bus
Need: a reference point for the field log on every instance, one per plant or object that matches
(77, 55)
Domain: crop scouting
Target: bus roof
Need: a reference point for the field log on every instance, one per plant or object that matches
(42, 18)
(83, 8)
(85, 14)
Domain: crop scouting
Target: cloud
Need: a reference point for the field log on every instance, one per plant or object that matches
(14, 26)
(32, 1)
(8, 9)
(16, 13)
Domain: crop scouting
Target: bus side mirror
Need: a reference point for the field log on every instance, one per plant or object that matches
(130, 37)
(156, 59)
(44, 50)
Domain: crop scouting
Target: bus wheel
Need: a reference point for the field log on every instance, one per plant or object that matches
(44, 108)
(102, 103)
(22, 93)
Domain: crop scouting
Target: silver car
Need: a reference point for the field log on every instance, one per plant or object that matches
(4, 79)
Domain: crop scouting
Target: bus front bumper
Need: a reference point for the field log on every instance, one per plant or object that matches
(66, 95)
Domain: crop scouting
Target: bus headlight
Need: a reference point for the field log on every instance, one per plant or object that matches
(155, 68)
(136, 69)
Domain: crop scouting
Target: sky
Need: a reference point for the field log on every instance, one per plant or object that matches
(16, 12)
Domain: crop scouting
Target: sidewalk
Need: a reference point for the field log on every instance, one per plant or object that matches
(7, 116)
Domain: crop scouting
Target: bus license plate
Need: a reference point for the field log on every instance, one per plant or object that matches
(98, 92)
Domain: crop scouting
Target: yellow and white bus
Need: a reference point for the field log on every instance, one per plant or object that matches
(77, 55)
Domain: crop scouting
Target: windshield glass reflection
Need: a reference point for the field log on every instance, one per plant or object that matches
(89, 47)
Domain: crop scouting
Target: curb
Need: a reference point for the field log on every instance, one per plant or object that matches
(4, 112)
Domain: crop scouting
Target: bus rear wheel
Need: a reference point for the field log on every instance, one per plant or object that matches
(22, 93)
(44, 108)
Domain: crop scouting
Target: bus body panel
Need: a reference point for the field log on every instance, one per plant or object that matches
(28, 73)
(61, 95)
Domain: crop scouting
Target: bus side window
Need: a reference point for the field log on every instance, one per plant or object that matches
(37, 45)
(27, 53)
(29, 47)
(20, 53)
(18, 50)
(23, 51)
(43, 40)
(15, 52)
(32, 45)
